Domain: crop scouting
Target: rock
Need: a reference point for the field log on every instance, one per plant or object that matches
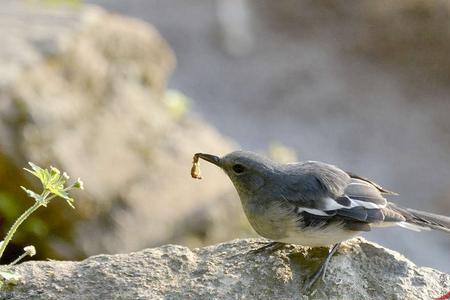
(360, 270)
(85, 90)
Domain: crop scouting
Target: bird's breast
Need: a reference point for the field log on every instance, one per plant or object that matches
(318, 236)
(270, 219)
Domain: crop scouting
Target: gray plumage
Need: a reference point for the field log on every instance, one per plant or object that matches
(314, 203)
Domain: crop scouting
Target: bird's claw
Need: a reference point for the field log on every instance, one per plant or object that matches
(270, 247)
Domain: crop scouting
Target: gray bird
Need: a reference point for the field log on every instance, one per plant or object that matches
(313, 203)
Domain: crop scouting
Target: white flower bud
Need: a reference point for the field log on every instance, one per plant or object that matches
(30, 250)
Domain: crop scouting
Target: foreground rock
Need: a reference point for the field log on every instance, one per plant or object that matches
(360, 270)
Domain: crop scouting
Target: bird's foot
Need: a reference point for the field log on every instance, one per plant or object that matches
(312, 280)
(320, 273)
(269, 247)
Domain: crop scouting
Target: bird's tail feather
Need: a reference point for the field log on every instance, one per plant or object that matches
(421, 219)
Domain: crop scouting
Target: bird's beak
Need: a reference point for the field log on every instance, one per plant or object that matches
(210, 158)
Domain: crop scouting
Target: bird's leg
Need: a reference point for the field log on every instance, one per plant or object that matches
(270, 247)
(322, 269)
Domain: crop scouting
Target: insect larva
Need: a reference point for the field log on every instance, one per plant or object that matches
(195, 170)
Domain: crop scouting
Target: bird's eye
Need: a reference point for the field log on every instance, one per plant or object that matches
(238, 169)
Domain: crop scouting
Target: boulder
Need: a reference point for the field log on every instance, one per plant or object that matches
(359, 270)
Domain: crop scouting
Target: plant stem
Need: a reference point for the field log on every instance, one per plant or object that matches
(18, 259)
(16, 225)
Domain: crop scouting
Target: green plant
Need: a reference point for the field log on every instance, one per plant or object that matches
(53, 185)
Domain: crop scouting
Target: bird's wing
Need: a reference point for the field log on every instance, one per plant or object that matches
(326, 191)
(379, 187)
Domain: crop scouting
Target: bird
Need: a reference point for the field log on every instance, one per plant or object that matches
(313, 203)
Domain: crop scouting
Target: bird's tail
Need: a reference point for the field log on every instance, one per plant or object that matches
(416, 219)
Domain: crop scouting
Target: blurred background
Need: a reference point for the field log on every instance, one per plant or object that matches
(122, 93)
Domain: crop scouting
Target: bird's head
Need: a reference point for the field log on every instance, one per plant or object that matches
(248, 171)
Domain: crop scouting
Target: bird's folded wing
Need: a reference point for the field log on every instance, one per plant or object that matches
(379, 187)
(350, 197)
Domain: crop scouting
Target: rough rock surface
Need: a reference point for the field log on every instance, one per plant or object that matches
(85, 90)
(360, 270)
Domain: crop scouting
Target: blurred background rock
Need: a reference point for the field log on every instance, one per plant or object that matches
(85, 90)
(362, 84)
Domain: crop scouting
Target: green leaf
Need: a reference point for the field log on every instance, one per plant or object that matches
(78, 184)
(53, 182)
(40, 173)
(8, 277)
(32, 194)
(70, 201)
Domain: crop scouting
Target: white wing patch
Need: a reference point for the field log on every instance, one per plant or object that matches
(412, 226)
(331, 204)
(313, 211)
(355, 203)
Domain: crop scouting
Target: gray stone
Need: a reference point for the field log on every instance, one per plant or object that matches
(360, 270)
